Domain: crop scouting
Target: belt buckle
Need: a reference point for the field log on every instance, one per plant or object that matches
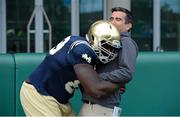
(90, 103)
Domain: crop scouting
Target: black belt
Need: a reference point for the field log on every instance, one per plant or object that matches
(88, 102)
(28, 82)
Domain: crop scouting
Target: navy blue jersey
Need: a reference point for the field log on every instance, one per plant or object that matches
(55, 76)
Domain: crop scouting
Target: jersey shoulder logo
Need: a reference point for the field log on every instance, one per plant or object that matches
(85, 56)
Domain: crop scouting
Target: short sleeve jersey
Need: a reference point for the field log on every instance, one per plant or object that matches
(55, 76)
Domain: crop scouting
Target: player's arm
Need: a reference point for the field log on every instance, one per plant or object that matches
(82, 57)
(91, 83)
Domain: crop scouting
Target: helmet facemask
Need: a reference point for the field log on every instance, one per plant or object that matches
(105, 51)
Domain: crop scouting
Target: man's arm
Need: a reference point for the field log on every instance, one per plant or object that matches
(126, 66)
(91, 83)
(127, 60)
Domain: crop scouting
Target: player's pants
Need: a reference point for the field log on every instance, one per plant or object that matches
(95, 110)
(35, 104)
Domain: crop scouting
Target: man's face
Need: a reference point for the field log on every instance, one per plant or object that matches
(118, 19)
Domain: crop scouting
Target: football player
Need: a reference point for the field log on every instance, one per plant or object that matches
(49, 87)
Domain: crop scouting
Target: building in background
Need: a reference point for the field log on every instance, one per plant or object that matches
(157, 22)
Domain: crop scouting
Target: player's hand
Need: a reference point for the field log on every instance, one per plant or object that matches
(122, 88)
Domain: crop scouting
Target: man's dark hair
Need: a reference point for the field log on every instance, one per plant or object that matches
(129, 15)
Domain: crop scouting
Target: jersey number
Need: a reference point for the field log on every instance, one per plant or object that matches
(59, 46)
(71, 85)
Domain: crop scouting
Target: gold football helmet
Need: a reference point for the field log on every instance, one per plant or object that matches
(104, 39)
